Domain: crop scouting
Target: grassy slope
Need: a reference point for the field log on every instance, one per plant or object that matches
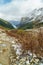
(5, 24)
(31, 25)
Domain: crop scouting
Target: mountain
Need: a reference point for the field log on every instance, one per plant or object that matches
(5, 24)
(30, 25)
(26, 26)
(33, 20)
(15, 23)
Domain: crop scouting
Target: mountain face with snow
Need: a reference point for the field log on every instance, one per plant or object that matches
(37, 14)
(35, 18)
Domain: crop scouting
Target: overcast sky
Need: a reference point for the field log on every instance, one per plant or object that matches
(15, 9)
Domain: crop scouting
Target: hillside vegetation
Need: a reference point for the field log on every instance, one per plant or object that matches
(5, 24)
(30, 40)
(14, 48)
(31, 25)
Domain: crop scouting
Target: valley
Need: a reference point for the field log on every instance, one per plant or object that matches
(21, 32)
(21, 42)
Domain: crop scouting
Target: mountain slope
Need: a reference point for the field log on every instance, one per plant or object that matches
(33, 19)
(15, 23)
(5, 24)
(31, 25)
(26, 26)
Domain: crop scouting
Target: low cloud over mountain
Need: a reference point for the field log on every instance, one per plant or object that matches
(15, 9)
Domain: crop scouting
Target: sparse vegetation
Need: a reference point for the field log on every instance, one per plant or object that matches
(30, 40)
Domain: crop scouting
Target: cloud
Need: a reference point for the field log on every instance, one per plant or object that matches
(42, 1)
(15, 9)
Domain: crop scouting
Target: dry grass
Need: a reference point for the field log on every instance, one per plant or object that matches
(29, 40)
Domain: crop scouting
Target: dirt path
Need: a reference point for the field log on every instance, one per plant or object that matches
(4, 53)
(5, 43)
